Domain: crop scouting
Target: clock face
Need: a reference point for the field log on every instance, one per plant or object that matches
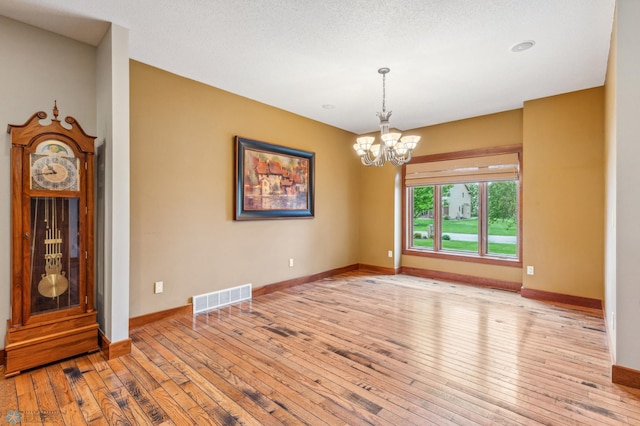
(54, 173)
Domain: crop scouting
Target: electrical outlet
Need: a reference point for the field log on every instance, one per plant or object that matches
(158, 287)
(390, 253)
(291, 263)
(529, 270)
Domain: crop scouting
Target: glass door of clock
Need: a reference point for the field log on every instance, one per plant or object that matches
(54, 254)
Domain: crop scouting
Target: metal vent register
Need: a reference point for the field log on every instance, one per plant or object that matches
(217, 299)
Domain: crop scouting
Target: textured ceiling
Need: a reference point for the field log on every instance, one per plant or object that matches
(449, 59)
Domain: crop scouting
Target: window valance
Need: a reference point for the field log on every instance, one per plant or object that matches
(489, 168)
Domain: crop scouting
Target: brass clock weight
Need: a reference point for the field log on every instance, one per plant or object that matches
(53, 282)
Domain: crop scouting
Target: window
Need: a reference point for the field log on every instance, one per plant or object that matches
(464, 205)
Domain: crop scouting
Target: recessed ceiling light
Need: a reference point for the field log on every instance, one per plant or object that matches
(520, 47)
(328, 106)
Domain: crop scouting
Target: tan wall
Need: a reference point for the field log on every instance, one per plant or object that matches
(182, 230)
(564, 193)
(499, 129)
(182, 185)
(479, 132)
(377, 214)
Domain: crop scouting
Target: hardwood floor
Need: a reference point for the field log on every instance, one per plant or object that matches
(349, 350)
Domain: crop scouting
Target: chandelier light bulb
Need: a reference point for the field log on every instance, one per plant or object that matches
(400, 148)
(365, 142)
(390, 139)
(410, 141)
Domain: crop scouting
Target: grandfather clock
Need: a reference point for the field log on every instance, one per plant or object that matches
(52, 257)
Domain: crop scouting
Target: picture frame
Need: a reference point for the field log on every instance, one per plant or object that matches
(272, 181)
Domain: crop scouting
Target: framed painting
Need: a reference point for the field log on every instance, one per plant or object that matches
(272, 181)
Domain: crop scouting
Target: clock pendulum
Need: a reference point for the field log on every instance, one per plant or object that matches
(54, 281)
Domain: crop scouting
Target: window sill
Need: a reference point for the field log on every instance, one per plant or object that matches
(466, 257)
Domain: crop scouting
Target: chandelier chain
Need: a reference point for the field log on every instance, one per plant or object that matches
(384, 78)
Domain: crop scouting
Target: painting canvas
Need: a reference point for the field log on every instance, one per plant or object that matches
(272, 181)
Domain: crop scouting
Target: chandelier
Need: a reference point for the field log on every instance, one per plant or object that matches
(393, 148)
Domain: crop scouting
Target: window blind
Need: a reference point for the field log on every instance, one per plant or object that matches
(490, 168)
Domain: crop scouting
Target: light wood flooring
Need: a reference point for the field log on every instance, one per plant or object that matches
(349, 350)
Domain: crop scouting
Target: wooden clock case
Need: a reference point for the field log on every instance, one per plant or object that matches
(42, 329)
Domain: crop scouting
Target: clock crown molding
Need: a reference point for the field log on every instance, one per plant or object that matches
(23, 134)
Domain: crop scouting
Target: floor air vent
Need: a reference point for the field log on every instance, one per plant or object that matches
(217, 299)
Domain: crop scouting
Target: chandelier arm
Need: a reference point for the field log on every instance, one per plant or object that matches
(399, 160)
(380, 155)
(388, 154)
(394, 159)
(368, 160)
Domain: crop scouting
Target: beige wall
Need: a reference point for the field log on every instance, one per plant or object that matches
(623, 197)
(610, 189)
(38, 67)
(182, 185)
(564, 193)
(479, 132)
